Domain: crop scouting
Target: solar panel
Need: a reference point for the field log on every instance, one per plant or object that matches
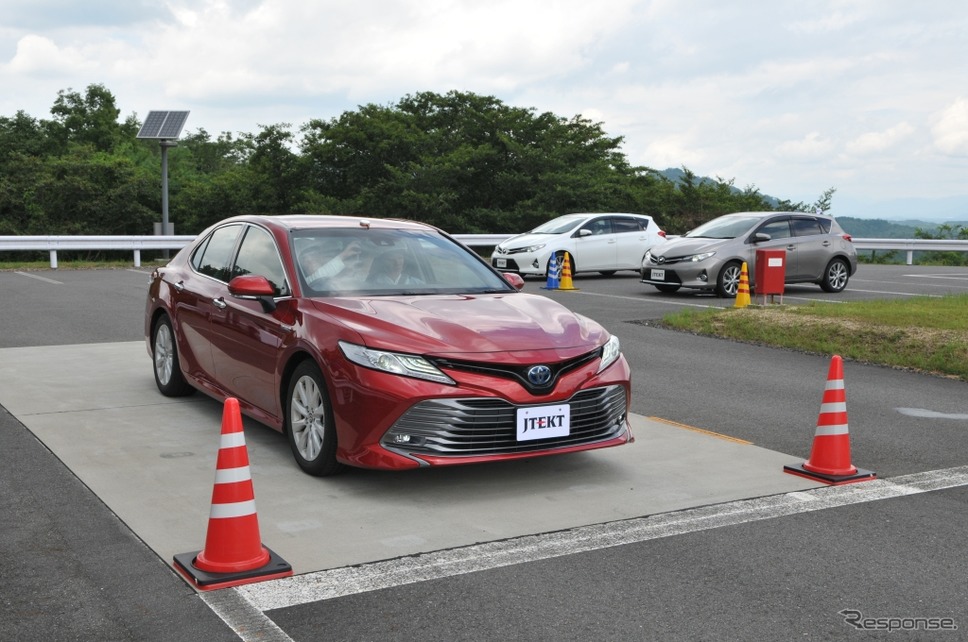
(166, 125)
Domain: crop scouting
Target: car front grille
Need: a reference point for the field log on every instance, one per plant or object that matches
(520, 373)
(486, 426)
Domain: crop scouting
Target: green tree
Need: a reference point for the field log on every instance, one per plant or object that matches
(90, 119)
(943, 231)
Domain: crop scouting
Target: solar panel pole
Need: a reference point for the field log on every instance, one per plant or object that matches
(165, 231)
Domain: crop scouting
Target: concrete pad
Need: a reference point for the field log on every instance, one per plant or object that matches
(151, 460)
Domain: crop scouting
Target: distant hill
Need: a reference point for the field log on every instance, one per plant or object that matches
(871, 228)
(874, 228)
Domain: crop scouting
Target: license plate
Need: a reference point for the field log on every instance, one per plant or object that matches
(539, 422)
(658, 275)
(501, 263)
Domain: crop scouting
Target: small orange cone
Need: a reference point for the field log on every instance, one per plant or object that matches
(830, 456)
(552, 283)
(566, 283)
(743, 290)
(233, 552)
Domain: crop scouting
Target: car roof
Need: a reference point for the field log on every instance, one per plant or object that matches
(588, 214)
(771, 213)
(311, 221)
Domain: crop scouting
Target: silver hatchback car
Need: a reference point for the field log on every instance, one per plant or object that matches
(710, 257)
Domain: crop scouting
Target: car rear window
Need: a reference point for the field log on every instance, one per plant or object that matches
(807, 227)
(214, 257)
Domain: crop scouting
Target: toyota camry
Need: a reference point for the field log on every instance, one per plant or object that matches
(381, 343)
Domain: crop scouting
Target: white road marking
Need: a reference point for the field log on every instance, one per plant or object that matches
(39, 278)
(248, 622)
(930, 414)
(351, 580)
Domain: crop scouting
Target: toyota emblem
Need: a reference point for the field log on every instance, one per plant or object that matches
(539, 375)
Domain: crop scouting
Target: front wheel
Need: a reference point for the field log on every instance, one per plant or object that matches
(164, 354)
(667, 289)
(309, 422)
(727, 283)
(835, 276)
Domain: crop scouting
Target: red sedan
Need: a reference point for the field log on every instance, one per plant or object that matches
(381, 343)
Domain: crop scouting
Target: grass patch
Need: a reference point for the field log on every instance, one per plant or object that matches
(923, 333)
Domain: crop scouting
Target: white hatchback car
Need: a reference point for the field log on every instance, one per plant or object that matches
(598, 242)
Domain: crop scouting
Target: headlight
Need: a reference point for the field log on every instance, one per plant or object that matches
(610, 352)
(406, 365)
(696, 258)
(534, 248)
(647, 258)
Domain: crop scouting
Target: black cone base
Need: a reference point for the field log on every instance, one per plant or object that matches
(833, 480)
(275, 568)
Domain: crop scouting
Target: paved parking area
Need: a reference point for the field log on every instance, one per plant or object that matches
(151, 460)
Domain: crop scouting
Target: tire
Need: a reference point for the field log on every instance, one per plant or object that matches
(727, 283)
(166, 365)
(835, 276)
(667, 289)
(309, 422)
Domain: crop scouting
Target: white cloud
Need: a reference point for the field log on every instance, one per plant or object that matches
(951, 129)
(791, 97)
(878, 142)
(811, 147)
(36, 54)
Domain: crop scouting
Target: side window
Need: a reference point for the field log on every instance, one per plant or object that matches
(806, 227)
(258, 255)
(777, 229)
(214, 258)
(598, 226)
(625, 225)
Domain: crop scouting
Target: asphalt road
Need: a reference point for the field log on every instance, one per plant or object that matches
(819, 565)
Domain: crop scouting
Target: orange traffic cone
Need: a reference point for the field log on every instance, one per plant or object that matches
(830, 456)
(743, 290)
(552, 283)
(233, 552)
(566, 283)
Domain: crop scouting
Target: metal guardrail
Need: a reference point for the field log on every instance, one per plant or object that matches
(912, 245)
(53, 244)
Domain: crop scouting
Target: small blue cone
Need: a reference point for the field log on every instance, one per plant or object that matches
(552, 283)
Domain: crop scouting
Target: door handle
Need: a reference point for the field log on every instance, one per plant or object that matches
(219, 303)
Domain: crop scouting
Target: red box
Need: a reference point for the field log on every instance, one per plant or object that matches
(770, 272)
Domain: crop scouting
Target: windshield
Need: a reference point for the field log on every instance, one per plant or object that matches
(559, 225)
(375, 262)
(724, 227)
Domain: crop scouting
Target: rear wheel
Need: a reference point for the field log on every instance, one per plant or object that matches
(727, 283)
(164, 354)
(835, 276)
(309, 422)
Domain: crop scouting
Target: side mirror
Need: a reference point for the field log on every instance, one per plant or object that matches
(253, 287)
(583, 232)
(516, 281)
(759, 237)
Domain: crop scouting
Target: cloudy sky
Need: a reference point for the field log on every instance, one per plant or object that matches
(866, 96)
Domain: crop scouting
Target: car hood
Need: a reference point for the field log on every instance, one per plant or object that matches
(526, 239)
(685, 246)
(467, 325)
